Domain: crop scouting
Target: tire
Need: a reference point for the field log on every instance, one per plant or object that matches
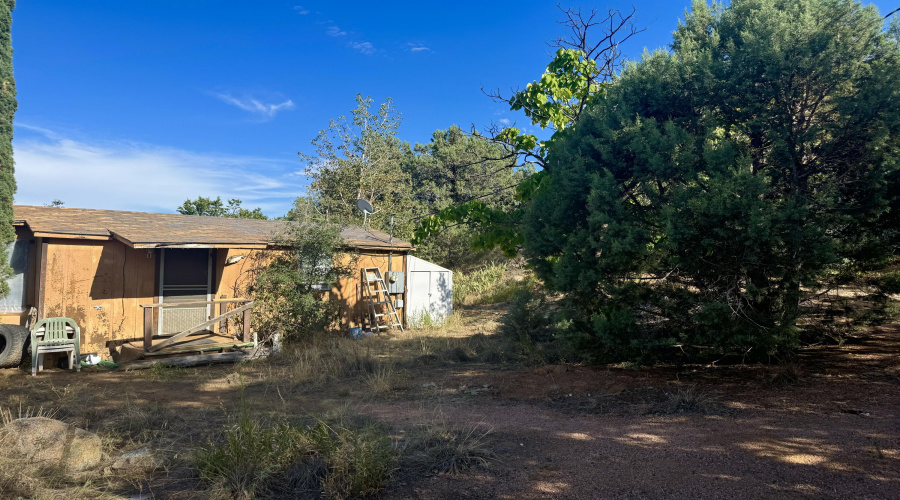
(12, 343)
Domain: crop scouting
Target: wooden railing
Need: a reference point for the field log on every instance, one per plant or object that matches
(245, 306)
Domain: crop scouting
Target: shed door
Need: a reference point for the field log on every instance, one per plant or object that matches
(441, 304)
(418, 296)
(184, 277)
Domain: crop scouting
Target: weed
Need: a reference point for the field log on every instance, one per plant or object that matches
(879, 454)
(281, 460)
(324, 359)
(381, 381)
(15, 481)
(688, 400)
(436, 448)
(785, 375)
(140, 421)
(359, 461)
(250, 454)
(164, 373)
(7, 414)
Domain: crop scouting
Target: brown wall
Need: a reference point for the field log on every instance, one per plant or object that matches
(100, 284)
(347, 290)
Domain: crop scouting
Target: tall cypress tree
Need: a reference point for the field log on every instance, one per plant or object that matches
(8, 106)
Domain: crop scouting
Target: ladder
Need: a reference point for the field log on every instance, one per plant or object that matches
(382, 314)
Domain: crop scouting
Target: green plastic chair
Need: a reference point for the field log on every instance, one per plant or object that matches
(55, 338)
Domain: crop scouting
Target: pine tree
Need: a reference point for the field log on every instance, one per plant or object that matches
(8, 105)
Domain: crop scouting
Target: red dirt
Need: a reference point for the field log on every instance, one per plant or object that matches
(576, 432)
(581, 433)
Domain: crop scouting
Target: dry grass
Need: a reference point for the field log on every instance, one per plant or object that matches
(435, 447)
(381, 381)
(8, 414)
(688, 400)
(323, 360)
(138, 421)
(259, 458)
(785, 375)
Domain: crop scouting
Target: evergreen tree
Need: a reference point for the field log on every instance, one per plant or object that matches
(692, 205)
(8, 106)
(453, 169)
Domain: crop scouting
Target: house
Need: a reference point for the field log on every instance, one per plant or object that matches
(124, 275)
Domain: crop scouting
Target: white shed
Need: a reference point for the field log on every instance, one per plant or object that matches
(429, 291)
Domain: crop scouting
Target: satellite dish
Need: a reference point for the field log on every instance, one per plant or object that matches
(365, 207)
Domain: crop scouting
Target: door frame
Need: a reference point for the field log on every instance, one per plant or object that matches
(161, 277)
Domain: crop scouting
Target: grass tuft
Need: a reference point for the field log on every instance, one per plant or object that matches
(436, 448)
(7, 414)
(688, 400)
(785, 375)
(258, 459)
(381, 381)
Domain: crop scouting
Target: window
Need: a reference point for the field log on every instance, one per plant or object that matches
(17, 258)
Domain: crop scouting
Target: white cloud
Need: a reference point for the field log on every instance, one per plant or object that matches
(504, 121)
(144, 177)
(255, 106)
(417, 47)
(335, 31)
(362, 47)
(300, 10)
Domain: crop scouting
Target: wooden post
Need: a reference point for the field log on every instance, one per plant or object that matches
(247, 324)
(148, 327)
(42, 278)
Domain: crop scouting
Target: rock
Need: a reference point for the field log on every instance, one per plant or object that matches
(41, 439)
(137, 459)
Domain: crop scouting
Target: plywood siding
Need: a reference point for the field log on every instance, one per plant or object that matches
(100, 284)
(348, 290)
(231, 280)
(14, 319)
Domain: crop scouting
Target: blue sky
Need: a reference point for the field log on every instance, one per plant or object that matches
(138, 105)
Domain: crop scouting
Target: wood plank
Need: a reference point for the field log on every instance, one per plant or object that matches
(198, 303)
(198, 348)
(186, 361)
(247, 325)
(178, 336)
(148, 328)
(42, 278)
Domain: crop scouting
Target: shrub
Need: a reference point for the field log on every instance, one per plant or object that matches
(529, 320)
(250, 454)
(888, 283)
(359, 461)
(287, 284)
(254, 458)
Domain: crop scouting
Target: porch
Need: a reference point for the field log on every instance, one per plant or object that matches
(228, 329)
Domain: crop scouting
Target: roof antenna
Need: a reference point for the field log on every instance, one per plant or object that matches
(366, 208)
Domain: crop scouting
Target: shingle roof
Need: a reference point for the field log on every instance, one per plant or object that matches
(150, 230)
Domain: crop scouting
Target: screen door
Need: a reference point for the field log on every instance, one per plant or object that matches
(184, 277)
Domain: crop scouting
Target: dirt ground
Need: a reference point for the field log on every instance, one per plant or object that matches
(558, 431)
